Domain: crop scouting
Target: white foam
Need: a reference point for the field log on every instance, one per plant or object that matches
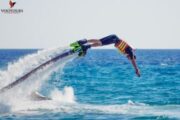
(26, 64)
(17, 98)
(39, 107)
(4, 108)
(164, 64)
(65, 96)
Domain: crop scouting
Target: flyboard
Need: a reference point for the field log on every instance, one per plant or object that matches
(74, 48)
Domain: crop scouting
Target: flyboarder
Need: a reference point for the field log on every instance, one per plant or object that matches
(120, 44)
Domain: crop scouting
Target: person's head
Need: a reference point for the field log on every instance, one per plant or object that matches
(129, 53)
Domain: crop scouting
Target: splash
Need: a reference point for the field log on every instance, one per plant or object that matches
(65, 96)
(18, 95)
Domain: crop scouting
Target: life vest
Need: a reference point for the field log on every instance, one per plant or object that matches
(121, 46)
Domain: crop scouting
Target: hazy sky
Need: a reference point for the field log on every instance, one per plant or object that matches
(49, 23)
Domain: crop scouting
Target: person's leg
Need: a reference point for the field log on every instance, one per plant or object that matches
(94, 42)
(86, 44)
(90, 42)
(100, 42)
(111, 39)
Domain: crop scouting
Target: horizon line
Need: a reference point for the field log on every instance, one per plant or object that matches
(92, 48)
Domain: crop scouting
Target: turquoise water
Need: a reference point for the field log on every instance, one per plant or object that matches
(103, 85)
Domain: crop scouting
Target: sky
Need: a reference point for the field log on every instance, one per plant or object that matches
(145, 24)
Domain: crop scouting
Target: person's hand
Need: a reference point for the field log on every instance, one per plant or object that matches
(138, 73)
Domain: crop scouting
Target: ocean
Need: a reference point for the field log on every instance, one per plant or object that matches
(100, 86)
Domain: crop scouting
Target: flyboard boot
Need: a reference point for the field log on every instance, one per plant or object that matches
(80, 47)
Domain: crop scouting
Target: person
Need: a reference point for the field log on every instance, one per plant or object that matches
(120, 44)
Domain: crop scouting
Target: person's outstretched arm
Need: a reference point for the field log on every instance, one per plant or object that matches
(133, 61)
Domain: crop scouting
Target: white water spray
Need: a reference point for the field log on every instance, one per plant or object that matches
(18, 95)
